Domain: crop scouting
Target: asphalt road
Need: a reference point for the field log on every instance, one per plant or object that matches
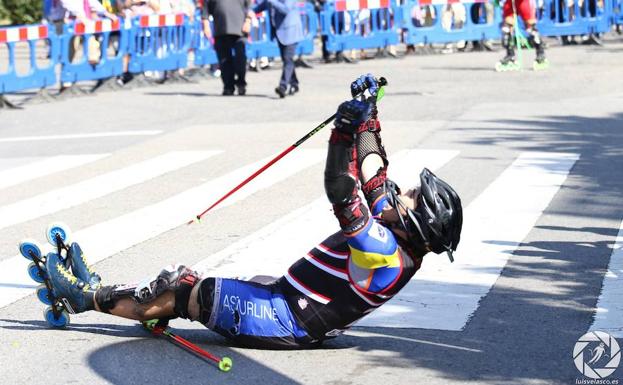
(523, 330)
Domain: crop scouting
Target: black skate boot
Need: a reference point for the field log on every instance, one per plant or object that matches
(534, 38)
(540, 62)
(508, 62)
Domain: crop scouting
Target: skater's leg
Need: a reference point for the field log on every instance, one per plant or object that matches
(194, 309)
(507, 42)
(165, 295)
(534, 38)
(161, 307)
(251, 314)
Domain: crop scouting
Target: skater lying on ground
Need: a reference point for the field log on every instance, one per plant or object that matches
(378, 249)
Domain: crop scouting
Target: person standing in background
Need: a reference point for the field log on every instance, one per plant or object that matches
(285, 20)
(232, 23)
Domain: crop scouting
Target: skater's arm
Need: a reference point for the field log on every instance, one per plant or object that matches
(340, 176)
(371, 156)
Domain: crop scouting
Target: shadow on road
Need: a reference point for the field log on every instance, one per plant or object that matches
(524, 330)
(101, 329)
(158, 361)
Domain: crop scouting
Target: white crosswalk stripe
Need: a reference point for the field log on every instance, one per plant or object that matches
(148, 222)
(109, 134)
(73, 195)
(16, 175)
(609, 316)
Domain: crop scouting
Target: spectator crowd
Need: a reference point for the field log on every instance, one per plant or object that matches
(229, 23)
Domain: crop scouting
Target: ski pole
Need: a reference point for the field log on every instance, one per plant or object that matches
(156, 328)
(382, 82)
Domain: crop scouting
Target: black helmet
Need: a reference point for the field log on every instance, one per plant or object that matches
(435, 224)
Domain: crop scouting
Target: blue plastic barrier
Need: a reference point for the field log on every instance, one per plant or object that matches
(473, 28)
(108, 65)
(579, 19)
(37, 77)
(309, 17)
(360, 28)
(204, 51)
(159, 43)
(262, 44)
(617, 12)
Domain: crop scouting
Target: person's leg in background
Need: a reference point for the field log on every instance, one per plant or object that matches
(288, 71)
(223, 46)
(240, 65)
(294, 81)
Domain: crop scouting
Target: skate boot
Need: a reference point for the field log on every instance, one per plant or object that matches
(80, 267)
(68, 291)
(540, 62)
(508, 63)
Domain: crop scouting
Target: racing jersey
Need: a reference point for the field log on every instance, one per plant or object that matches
(347, 276)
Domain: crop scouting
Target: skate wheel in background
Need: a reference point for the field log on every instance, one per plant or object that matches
(28, 248)
(57, 228)
(56, 322)
(44, 295)
(35, 273)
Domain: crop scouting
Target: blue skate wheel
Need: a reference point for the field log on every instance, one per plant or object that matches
(56, 322)
(44, 295)
(28, 248)
(60, 229)
(35, 273)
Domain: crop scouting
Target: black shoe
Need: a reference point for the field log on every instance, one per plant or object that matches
(593, 40)
(227, 92)
(300, 62)
(293, 90)
(125, 78)
(242, 90)
(281, 92)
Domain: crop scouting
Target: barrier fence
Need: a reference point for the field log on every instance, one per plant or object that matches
(37, 76)
(97, 61)
(163, 42)
(617, 12)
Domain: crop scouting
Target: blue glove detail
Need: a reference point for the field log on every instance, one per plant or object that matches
(351, 114)
(365, 82)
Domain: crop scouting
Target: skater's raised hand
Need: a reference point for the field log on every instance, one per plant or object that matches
(351, 114)
(365, 82)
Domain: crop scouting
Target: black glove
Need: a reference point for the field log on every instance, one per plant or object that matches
(351, 114)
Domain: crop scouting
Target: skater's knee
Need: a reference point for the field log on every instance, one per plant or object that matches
(194, 308)
(204, 299)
